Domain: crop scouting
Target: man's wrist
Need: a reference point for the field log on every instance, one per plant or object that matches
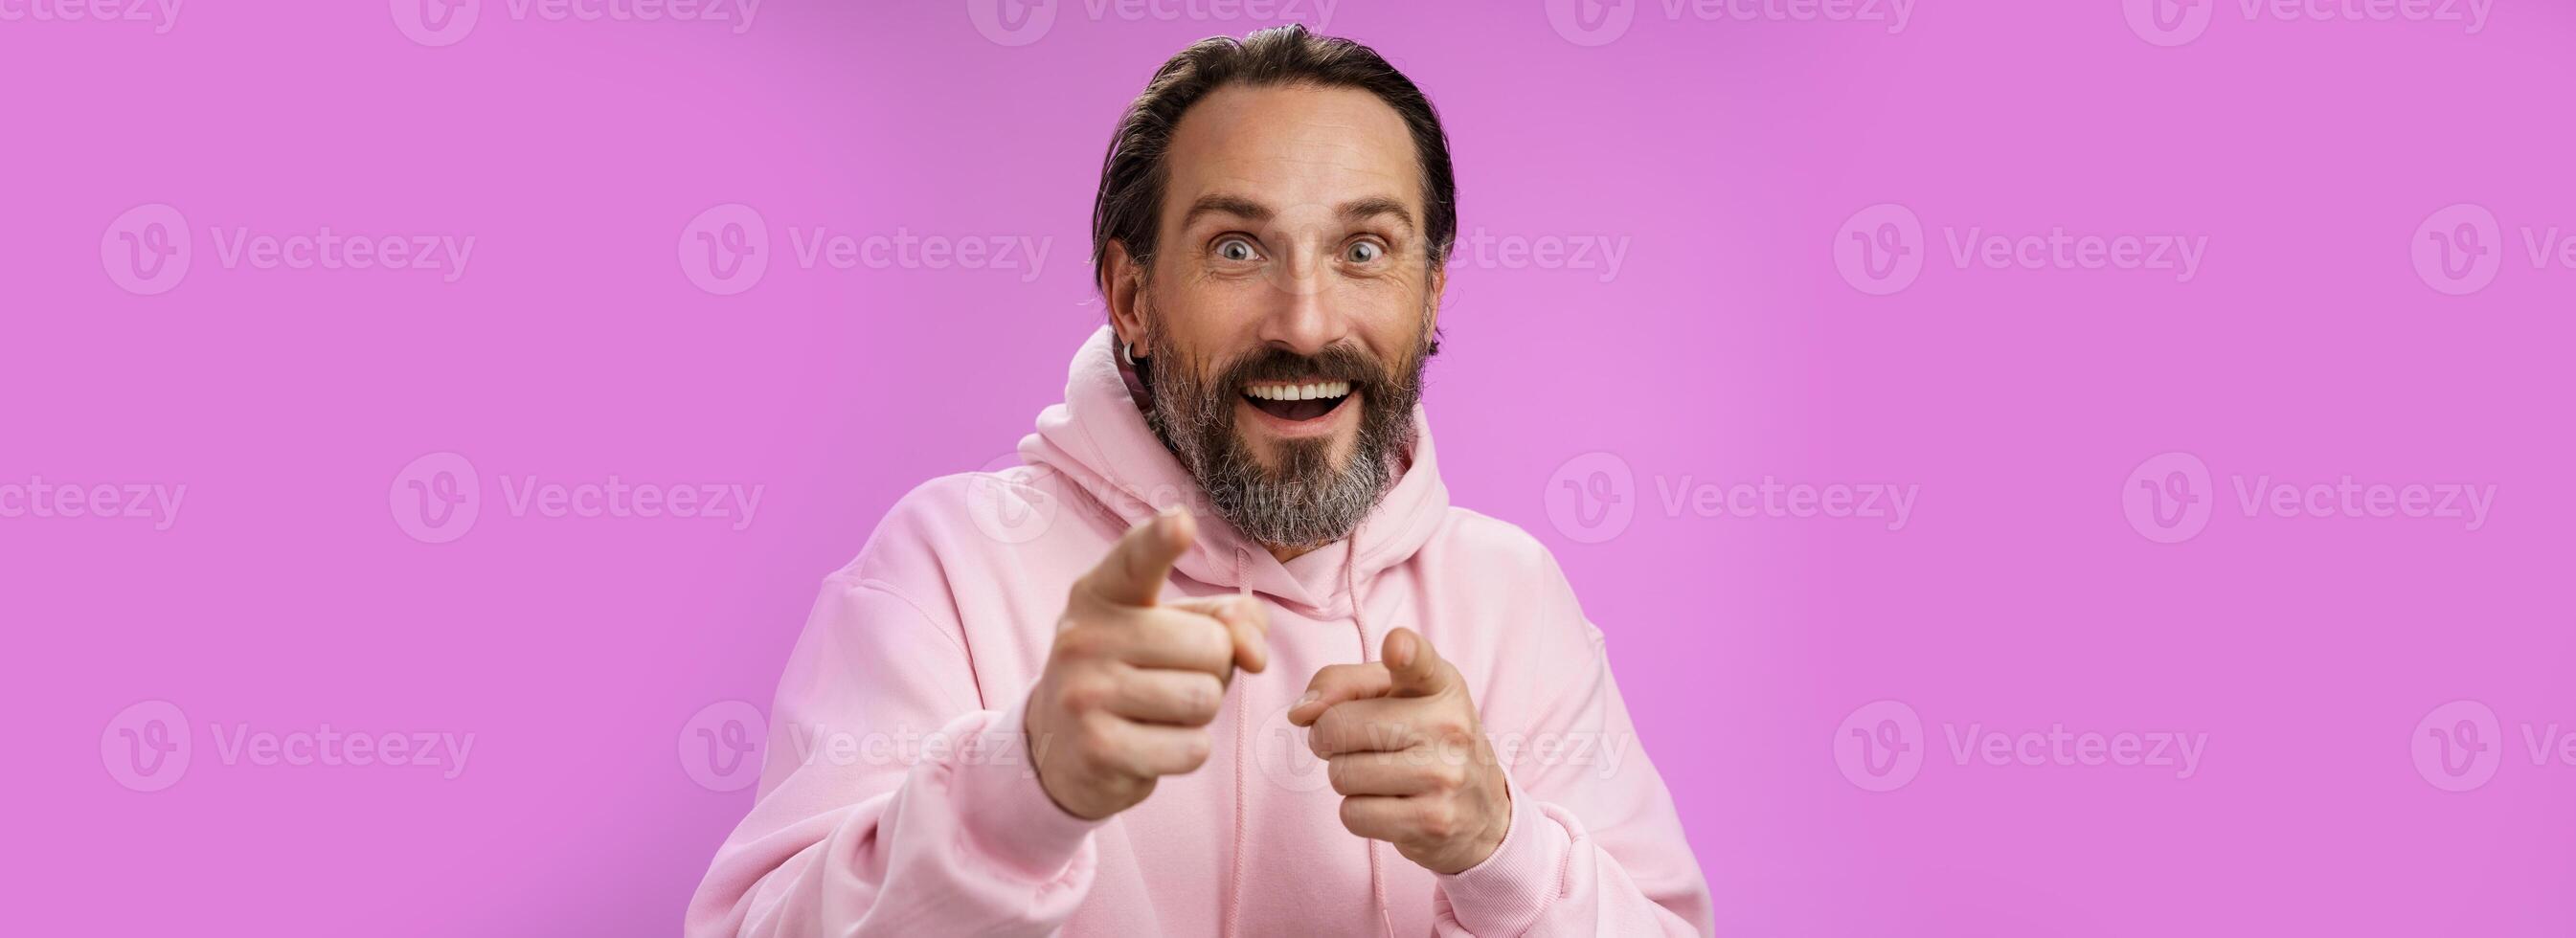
(1505, 892)
(1499, 824)
(1029, 747)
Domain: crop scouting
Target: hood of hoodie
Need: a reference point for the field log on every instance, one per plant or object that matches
(1098, 439)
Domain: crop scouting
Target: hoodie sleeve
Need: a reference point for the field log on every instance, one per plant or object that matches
(1594, 847)
(891, 801)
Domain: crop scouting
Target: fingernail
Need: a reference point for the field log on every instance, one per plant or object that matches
(1311, 697)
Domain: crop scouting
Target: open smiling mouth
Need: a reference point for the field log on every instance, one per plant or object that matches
(1307, 401)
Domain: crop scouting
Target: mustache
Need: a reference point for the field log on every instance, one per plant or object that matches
(1343, 362)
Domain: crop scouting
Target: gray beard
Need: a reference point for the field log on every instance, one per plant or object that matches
(1306, 501)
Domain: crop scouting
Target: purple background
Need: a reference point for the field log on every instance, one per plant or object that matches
(1727, 154)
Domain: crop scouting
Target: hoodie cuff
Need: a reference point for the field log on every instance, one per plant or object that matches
(1506, 893)
(1005, 816)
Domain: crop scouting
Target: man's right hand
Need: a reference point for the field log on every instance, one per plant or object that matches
(1131, 683)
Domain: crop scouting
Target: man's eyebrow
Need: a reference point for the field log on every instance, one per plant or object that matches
(1357, 209)
(1234, 205)
(1249, 210)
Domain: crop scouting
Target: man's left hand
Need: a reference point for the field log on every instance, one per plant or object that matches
(1408, 755)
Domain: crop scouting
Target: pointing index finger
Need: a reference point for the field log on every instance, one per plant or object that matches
(1134, 572)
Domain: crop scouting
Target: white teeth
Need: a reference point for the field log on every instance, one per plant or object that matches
(1299, 392)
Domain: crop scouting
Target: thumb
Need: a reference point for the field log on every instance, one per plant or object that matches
(1134, 571)
(1414, 669)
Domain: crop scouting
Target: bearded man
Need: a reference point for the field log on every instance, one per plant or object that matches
(1220, 657)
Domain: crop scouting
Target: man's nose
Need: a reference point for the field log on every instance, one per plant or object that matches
(1301, 315)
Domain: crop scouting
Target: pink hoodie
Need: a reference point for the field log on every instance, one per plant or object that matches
(897, 796)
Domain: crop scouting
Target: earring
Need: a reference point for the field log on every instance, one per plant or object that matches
(1127, 353)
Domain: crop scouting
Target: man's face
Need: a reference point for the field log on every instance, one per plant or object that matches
(1288, 306)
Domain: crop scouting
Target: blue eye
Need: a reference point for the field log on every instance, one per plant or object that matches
(1366, 252)
(1235, 249)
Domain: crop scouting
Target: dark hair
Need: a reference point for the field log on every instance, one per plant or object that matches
(1133, 175)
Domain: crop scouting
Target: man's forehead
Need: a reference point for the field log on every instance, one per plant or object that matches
(1284, 146)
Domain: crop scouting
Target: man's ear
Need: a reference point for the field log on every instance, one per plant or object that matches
(1439, 286)
(1122, 283)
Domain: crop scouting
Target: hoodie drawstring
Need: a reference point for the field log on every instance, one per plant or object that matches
(1351, 588)
(1242, 768)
